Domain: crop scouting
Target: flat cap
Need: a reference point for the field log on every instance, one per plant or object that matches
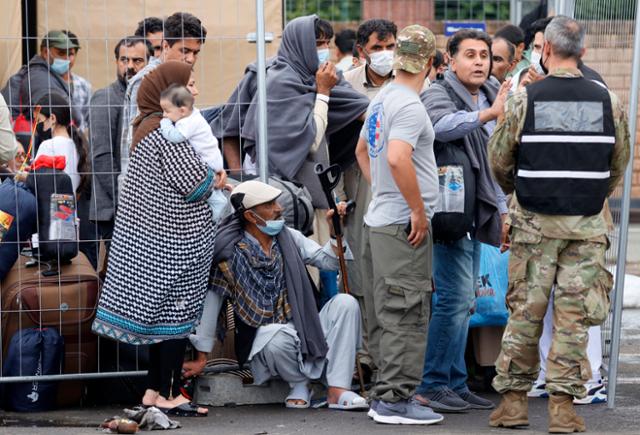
(251, 193)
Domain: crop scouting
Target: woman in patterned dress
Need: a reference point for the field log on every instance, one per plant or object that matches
(162, 245)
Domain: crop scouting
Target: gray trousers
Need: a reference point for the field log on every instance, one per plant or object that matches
(357, 189)
(281, 356)
(397, 280)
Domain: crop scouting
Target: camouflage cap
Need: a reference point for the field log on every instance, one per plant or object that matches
(414, 47)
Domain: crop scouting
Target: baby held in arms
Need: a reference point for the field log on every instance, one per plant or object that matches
(183, 122)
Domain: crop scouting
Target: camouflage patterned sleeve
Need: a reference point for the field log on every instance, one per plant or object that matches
(503, 145)
(622, 147)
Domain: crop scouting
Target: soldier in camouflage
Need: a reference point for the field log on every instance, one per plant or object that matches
(556, 246)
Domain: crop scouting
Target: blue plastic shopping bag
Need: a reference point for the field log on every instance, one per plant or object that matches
(491, 289)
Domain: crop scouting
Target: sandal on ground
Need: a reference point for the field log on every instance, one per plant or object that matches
(184, 410)
(299, 392)
(350, 401)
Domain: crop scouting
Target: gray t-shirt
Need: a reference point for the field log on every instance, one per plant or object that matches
(397, 113)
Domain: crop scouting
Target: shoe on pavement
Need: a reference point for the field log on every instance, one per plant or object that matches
(475, 401)
(595, 394)
(562, 415)
(538, 390)
(513, 410)
(444, 400)
(405, 412)
(372, 408)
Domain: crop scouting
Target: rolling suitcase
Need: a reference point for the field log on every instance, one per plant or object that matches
(66, 302)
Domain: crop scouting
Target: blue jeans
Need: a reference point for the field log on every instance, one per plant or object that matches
(455, 270)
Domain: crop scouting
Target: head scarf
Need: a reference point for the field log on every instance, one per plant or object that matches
(153, 84)
(291, 95)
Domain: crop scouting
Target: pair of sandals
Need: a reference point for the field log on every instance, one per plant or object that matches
(184, 410)
(348, 400)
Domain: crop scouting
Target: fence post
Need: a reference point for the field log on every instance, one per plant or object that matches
(618, 292)
(262, 142)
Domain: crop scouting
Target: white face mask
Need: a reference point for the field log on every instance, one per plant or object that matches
(535, 61)
(323, 55)
(381, 62)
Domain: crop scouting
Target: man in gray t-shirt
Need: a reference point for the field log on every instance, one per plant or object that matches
(397, 114)
(395, 154)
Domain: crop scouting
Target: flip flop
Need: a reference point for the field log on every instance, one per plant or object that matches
(184, 410)
(350, 401)
(299, 392)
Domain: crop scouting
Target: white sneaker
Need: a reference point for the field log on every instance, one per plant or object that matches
(596, 393)
(372, 408)
(405, 412)
(537, 390)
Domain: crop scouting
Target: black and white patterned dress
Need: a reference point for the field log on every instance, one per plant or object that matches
(162, 246)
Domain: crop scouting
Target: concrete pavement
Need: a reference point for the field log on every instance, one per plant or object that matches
(275, 420)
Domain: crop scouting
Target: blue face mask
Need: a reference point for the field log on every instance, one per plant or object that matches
(323, 55)
(270, 228)
(60, 66)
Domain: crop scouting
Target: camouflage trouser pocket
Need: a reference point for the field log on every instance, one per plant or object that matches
(597, 302)
(585, 370)
(522, 248)
(407, 301)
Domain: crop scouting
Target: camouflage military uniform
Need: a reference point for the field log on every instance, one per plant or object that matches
(565, 250)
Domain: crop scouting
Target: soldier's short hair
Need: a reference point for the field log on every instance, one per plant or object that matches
(178, 95)
(566, 36)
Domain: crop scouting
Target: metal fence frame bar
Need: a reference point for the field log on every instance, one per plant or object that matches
(69, 377)
(263, 143)
(618, 292)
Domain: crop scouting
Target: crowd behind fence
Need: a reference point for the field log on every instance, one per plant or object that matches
(226, 53)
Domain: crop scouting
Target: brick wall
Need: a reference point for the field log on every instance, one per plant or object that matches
(402, 12)
(609, 52)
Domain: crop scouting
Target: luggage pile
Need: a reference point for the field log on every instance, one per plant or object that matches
(48, 293)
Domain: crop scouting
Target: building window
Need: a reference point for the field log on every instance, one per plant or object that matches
(331, 10)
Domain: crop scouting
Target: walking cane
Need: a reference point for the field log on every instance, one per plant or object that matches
(329, 179)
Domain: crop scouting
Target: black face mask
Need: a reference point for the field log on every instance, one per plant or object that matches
(544, 68)
(42, 135)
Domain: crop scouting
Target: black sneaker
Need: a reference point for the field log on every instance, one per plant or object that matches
(444, 400)
(475, 401)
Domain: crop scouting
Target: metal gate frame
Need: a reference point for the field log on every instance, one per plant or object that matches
(567, 6)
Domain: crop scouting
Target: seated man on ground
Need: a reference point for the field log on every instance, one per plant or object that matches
(259, 266)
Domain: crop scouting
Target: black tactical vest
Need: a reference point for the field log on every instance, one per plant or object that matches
(566, 145)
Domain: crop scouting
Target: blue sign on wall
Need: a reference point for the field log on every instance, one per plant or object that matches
(451, 27)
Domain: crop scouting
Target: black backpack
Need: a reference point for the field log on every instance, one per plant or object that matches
(33, 352)
(455, 212)
(57, 212)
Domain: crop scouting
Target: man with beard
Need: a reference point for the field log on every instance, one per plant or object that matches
(105, 118)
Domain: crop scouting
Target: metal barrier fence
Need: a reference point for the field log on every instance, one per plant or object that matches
(222, 61)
